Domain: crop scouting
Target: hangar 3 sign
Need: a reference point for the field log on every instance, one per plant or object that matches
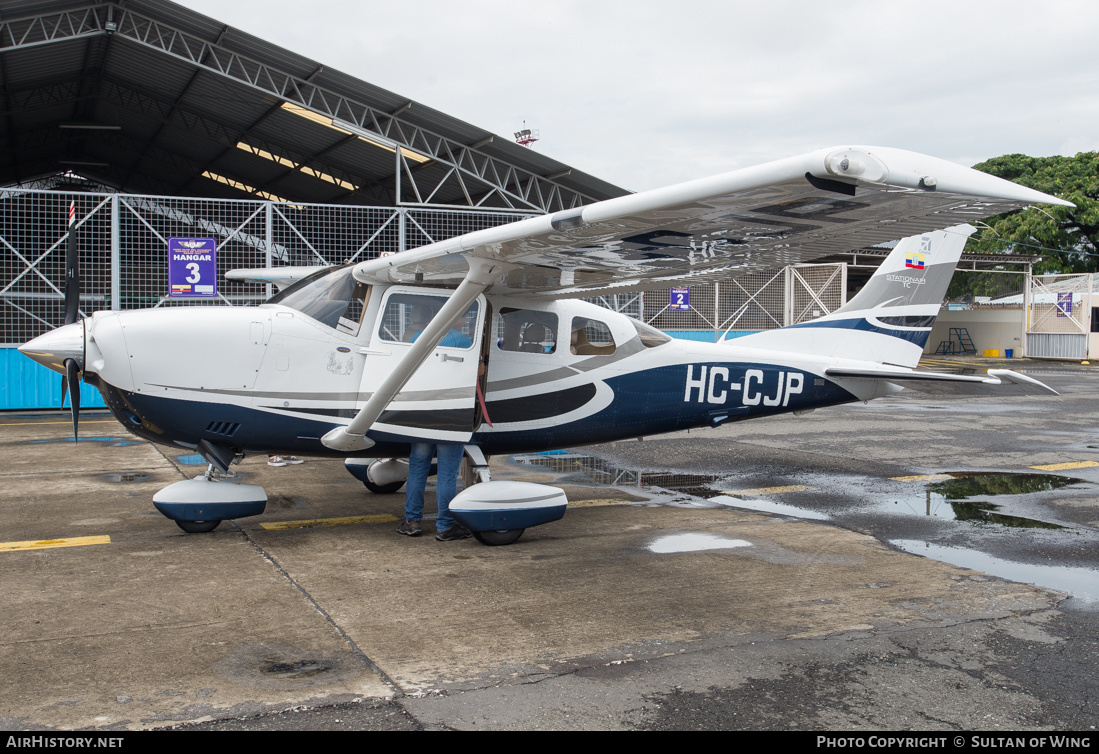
(192, 267)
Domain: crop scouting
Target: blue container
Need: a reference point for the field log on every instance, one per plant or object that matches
(26, 384)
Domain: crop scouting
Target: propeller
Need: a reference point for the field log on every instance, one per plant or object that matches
(72, 271)
(70, 383)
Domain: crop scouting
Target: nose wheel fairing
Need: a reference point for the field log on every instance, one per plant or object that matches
(207, 499)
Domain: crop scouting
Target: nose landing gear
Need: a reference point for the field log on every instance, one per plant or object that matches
(199, 505)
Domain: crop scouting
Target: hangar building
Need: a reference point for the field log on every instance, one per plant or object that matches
(160, 122)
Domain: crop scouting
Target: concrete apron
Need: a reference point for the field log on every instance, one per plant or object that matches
(158, 627)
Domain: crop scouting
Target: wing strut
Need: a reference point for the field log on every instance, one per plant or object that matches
(482, 273)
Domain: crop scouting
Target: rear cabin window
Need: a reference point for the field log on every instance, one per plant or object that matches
(526, 331)
(407, 314)
(590, 337)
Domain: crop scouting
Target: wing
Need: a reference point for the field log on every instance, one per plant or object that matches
(784, 212)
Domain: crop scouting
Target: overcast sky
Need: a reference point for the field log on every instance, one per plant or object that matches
(648, 93)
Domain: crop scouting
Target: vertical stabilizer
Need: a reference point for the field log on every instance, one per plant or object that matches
(890, 319)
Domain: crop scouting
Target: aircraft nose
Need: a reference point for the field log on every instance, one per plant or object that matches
(52, 348)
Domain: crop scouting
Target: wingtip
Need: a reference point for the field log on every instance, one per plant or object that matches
(907, 169)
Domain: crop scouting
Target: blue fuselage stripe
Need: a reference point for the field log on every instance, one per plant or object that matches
(646, 402)
(917, 336)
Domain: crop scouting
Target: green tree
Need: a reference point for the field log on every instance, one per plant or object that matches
(1073, 232)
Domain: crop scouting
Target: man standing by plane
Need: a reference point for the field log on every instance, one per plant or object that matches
(449, 456)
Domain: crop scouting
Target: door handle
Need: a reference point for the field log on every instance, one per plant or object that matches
(448, 357)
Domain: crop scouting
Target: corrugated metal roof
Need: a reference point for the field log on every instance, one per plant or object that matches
(164, 114)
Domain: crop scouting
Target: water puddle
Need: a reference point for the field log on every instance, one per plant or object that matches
(1081, 583)
(950, 499)
(695, 543)
(300, 669)
(960, 496)
(968, 485)
(768, 506)
(127, 476)
(193, 459)
(114, 442)
(597, 471)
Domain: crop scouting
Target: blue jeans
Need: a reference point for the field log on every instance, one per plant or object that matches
(449, 455)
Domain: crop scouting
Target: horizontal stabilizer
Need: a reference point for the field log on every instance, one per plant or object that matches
(280, 277)
(997, 382)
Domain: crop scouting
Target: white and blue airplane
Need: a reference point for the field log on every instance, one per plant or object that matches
(359, 361)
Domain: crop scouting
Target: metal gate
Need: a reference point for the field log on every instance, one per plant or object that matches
(123, 242)
(1059, 316)
(750, 302)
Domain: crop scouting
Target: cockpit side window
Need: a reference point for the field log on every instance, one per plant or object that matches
(526, 331)
(590, 337)
(332, 297)
(407, 314)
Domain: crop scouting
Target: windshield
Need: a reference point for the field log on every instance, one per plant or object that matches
(650, 336)
(332, 297)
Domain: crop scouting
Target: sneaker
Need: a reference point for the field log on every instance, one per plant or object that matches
(276, 461)
(455, 532)
(292, 459)
(410, 528)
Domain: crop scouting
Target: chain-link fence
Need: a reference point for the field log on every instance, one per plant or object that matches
(754, 301)
(978, 288)
(124, 239)
(1059, 316)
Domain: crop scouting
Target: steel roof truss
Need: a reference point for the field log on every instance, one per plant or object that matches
(89, 21)
(36, 30)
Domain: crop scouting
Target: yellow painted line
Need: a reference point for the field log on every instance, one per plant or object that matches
(769, 490)
(921, 478)
(46, 544)
(1066, 466)
(379, 518)
(600, 502)
(67, 424)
